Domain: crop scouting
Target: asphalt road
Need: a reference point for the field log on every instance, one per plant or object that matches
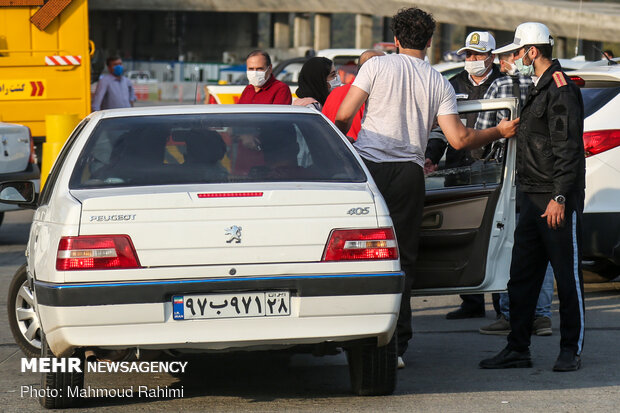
(441, 373)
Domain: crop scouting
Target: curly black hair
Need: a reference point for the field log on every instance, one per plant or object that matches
(413, 28)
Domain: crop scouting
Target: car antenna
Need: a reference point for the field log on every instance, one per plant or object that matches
(578, 30)
(604, 55)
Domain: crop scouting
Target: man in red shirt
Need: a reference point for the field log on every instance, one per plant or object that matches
(330, 108)
(264, 88)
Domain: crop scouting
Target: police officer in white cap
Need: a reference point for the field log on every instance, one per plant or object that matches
(471, 83)
(551, 184)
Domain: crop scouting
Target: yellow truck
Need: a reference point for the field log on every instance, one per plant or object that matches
(44, 67)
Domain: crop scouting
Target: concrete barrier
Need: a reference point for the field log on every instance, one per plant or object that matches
(179, 92)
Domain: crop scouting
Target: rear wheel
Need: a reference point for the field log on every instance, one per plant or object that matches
(61, 390)
(23, 319)
(373, 369)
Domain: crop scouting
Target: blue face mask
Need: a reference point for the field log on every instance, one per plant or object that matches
(525, 70)
(117, 70)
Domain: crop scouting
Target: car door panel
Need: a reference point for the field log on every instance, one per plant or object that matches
(468, 221)
(462, 233)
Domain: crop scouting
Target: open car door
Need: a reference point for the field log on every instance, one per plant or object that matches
(469, 218)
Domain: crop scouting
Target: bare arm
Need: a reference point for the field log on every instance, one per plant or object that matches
(461, 137)
(351, 104)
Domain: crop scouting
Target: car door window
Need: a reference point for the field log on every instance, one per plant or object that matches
(482, 166)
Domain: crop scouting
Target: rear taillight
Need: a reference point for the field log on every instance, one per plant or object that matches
(212, 100)
(33, 157)
(361, 244)
(600, 141)
(578, 81)
(96, 252)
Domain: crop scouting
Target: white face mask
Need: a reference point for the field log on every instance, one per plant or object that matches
(512, 68)
(334, 83)
(256, 77)
(476, 67)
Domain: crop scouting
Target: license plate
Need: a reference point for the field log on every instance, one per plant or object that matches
(255, 304)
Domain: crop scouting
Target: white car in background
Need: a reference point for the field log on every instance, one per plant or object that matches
(17, 158)
(239, 227)
(600, 88)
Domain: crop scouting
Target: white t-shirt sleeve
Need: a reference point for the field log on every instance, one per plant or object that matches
(366, 76)
(447, 105)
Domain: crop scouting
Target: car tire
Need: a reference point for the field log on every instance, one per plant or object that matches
(373, 369)
(55, 385)
(23, 319)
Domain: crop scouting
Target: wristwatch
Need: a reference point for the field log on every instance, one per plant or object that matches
(560, 199)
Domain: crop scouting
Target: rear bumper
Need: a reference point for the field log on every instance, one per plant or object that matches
(121, 315)
(31, 173)
(601, 236)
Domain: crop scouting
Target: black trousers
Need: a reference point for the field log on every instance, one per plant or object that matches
(535, 245)
(475, 303)
(402, 187)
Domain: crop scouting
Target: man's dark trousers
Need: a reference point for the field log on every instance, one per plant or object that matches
(535, 245)
(402, 187)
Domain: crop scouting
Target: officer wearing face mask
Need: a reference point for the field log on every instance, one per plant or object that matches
(472, 83)
(550, 185)
(513, 85)
(264, 88)
(113, 89)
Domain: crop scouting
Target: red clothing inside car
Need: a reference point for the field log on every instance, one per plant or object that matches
(330, 108)
(273, 92)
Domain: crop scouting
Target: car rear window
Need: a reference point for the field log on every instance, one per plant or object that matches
(214, 148)
(596, 98)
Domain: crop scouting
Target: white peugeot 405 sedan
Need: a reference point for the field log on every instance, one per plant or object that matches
(220, 228)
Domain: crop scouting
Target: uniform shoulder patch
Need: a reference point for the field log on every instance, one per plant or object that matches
(559, 79)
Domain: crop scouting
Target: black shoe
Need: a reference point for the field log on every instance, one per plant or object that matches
(567, 361)
(460, 313)
(508, 358)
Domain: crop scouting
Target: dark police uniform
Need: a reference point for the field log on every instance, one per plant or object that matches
(550, 165)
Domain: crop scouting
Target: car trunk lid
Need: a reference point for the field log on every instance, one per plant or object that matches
(212, 225)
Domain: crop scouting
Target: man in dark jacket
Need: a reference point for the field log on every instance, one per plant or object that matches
(551, 184)
(472, 83)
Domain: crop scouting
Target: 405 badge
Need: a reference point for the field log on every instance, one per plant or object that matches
(359, 211)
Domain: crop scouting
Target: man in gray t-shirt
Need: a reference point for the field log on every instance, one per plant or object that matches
(390, 135)
(403, 96)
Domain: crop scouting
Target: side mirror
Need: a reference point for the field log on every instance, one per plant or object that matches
(20, 193)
